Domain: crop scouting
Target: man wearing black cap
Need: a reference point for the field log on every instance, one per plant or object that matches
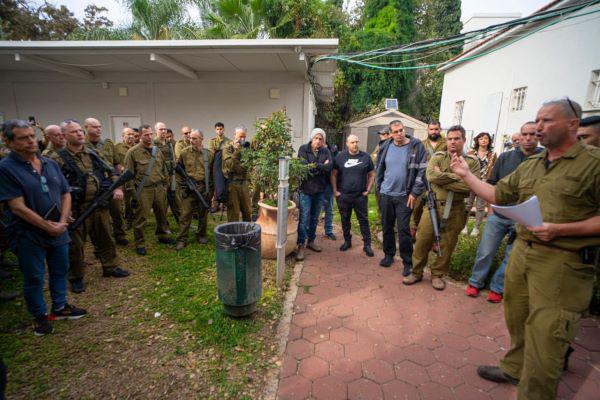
(589, 131)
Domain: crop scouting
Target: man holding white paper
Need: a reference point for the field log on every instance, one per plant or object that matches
(550, 274)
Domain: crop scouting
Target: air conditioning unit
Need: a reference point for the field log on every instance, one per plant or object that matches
(391, 104)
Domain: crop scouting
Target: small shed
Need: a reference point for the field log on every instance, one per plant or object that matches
(366, 129)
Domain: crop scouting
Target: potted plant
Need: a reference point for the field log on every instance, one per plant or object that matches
(273, 140)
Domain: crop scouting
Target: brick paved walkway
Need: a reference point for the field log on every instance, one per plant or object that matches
(358, 333)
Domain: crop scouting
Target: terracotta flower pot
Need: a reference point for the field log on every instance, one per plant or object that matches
(267, 219)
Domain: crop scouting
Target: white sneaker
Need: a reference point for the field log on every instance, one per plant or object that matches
(465, 230)
(475, 231)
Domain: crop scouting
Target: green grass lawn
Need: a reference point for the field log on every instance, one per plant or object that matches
(168, 320)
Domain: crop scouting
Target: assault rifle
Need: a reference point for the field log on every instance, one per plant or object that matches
(432, 205)
(101, 199)
(192, 185)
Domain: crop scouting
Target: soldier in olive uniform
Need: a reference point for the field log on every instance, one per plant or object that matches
(56, 140)
(550, 273)
(435, 142)
(164, 144)
(85, 171)
(184, 142)
(105, 148)
(450, 191)
(121, 150)
(197, 163)
(216, 145)
(151, 180)
(238, 199)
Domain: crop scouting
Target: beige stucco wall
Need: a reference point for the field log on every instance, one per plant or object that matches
(233, 98)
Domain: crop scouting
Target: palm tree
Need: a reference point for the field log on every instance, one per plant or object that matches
(151, 20)
(235, 19)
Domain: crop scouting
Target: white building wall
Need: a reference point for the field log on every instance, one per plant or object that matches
(232, 98)
(557, 61)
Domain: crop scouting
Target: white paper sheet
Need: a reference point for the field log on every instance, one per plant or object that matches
(527, 213)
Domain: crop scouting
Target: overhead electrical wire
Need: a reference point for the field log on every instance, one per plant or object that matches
(425, 49)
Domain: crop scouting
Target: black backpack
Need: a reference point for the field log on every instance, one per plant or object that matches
(221, 183)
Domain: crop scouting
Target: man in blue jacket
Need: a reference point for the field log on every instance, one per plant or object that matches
(312, 190)
(401, 168)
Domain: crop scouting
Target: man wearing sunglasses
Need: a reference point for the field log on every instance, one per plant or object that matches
(550, 273)
(39, 205)
(184, 142)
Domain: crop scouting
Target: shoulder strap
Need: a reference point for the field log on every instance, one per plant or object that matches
(147, 172)
(430, 151)
(205, 152)
(447, 207)
(99, 158)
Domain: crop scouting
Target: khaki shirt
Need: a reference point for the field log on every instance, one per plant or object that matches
(167, 151)
(49, 151)
(441, 145)
(232, 165)
(179, 146)
(215, 144)
(136, 160)
(568, 191)
(121, 150)
(445, 181)
(192, 161)
(105, 148)
(83, 161)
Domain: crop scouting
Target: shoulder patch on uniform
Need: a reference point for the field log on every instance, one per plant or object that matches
(471, 157)
(594, 152)
(440, 153)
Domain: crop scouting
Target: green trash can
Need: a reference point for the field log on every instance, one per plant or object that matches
(239, 272)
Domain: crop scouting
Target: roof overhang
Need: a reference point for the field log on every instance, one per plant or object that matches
(187, 58)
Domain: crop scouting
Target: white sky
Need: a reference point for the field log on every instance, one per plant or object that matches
(119, 15)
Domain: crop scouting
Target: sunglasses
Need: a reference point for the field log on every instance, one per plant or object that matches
(44, 183)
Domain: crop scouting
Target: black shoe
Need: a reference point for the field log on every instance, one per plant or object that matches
(77, 285)
(345, 246)
(68, 312)
(116, 273)
(387, 261)
(495, 374)
(407, 271)
(566, 364)
(368, 251)
(141, 251)
(41, 326)
(331, 236)
(166, 240)
(122, 241)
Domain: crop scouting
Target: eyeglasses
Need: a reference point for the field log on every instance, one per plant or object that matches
(44, 183)
(568, 100)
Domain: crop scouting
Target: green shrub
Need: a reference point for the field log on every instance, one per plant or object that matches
(463, 257)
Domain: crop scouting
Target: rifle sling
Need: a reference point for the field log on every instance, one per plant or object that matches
(205, 152)
(147, 172)
(447, 207)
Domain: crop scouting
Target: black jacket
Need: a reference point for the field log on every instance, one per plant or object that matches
(319, 176)
(416, 166)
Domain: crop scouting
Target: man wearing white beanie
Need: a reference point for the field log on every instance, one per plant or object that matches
(312, 189)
